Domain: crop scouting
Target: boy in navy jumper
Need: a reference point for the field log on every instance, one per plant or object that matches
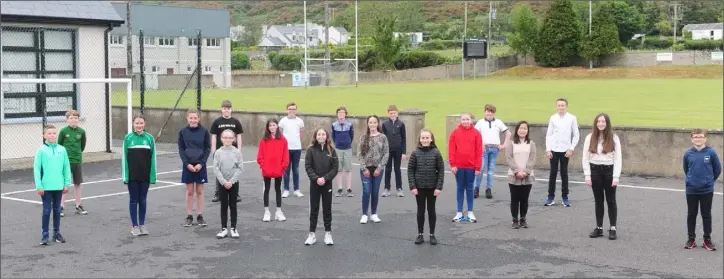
(701, 168)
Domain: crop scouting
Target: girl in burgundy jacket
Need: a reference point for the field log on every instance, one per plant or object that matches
(273, 159)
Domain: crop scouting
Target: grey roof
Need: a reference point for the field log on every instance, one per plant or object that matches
(703, 26)
(88, 11)
(174, 21)
(273, 40)
(342, 30)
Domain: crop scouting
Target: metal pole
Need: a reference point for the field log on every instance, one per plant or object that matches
(306, 73)
(142, 64)
(462, 44)
(356, 47)
(107, 89)
(475, 70)
(487, 41)
(326, 43)
(129, 41)
(676, 19)
(198, 70)
(590, 23)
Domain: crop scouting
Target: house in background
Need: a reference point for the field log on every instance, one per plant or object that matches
(276, 37)
(53, 39)
(416, 38)
(236, 33)
(170, 41)
(704, 31)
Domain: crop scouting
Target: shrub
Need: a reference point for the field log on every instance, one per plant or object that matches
(657, 43)
(285, 62)
(417, 59)
(440, 44)
(703, 44)
(240, 61)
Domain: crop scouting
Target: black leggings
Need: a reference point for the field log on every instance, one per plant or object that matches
(519, 200)
(601, 180)
(325, 193)
(426, 196)
(228, 201)
(277, 190)
(693, 202)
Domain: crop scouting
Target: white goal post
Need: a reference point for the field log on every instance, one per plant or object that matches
(352, 61)
(127, 81)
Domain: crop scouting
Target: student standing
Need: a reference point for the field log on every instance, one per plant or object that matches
(51, 171)
(490, 129)
(602, 168)
(520, 157)
(322, 165)
(292, 128)
(139, 171)
(73, 138)
(394, 130)
(223, 123)
(228, 166)
(426, 175)
(194, 146)
(702, 168)
(373, 152)
(273, 159)
(465, 148)
(342, 136)
(561, 139)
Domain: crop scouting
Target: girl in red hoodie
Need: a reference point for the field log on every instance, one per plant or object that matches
(273, 159)
(465, 148)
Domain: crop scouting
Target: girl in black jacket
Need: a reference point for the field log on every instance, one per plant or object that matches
(321, 164)
(426, 173)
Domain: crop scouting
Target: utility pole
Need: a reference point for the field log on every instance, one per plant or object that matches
(129, 41)
(676, 17)
(590, 23)
(326, 43)
(465, 33)
(306, 44)
(488, 41)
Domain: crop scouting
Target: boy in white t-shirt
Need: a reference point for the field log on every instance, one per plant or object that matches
(490, 129)
(292, 129)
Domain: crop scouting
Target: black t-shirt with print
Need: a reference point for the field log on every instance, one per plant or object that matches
(221, 124)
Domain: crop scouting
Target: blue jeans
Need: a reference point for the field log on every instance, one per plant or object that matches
(294, 157)
(464, 179)
(489, 158)
(137, 191)
(370, 187)
(51, 202)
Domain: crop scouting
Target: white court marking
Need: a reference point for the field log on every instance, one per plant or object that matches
(175, 184)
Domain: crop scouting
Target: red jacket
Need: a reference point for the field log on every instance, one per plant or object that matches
(273, 157)
(465, 148)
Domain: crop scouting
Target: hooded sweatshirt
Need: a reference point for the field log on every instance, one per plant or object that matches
(273, 157)
(194, 145)
(702, 168)
(51, 168)
(465, 148)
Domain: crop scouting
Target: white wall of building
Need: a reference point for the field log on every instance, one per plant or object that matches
(714, 34)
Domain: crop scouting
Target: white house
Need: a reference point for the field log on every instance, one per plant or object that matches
(415, 37)
(53, 39)
(170, 41)
(280, 36)
(704, 31)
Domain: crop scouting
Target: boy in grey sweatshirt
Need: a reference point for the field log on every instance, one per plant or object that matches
(228, 166)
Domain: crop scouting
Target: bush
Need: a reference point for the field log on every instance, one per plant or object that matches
(440, 44)
(656, 43)
(285, 62)
(678, 47)
(417, 59)
(240, 61)
(559, 36)
(704, 44)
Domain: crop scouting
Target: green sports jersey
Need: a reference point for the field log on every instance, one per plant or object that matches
(73, 139)
(139, 158)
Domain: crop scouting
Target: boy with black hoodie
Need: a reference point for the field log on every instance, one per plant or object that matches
(702, 168)
(394, 129)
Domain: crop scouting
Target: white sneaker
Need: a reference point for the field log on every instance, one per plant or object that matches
(363, 220)
(222, 234)
(267, 215)
(400, 194)
(375, 218)
(328, 238)
(385, 193)
(279, 216)
(457, 217)
(471, 216)
(311, 239)
(234, 233)
(285, 194)
(298, 194)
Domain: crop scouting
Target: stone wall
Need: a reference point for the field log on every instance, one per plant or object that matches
(253, 123)
(646, 151)
(166, 82)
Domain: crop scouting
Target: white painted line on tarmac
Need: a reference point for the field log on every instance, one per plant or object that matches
(21, 200)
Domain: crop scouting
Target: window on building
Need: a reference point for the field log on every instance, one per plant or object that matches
(155, 69)
(149, 41)
(193, 42)
(117, 40)
(213, 42)
(711, 33)
(207, 68)
(165, 41)
(38, 53)
(188, 68)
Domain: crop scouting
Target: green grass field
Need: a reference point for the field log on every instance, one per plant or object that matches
(680, 103)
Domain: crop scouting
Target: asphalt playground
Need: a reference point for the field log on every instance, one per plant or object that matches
(651, 229)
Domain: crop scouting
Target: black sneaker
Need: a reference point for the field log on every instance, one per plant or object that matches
(476, 194)
(238, 198)
(44, 240)
(690, 244)
(708, 245)
(349, 193)
(188, 221)
(58, 238)
(612, 234)
(419, 239)
(216, 197)
(597, 232)
(80, 210)
(433, 240)
(515, 225)
(62, 211)
(523, 223)
(488, 194)
(200, 220)
(339, 192)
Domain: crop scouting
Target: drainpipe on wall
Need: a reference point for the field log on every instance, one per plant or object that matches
(108, 88)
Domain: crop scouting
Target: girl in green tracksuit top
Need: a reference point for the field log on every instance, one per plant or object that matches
(51, 171)
(139, 171)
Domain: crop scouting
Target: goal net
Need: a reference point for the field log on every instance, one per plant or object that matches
(342, 72)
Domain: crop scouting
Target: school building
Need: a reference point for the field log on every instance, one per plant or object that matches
(60, 40)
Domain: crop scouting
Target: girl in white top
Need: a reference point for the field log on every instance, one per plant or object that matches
(602, 168)
(520, 157)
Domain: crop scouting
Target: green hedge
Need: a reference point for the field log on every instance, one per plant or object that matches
(704, 44)
(440, 44)
(656, 43)
(285, 62)
(240, 61)
(418, 59)
(367, 59)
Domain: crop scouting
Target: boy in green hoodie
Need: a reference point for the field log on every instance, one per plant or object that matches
(51, 171)
(73, 139)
